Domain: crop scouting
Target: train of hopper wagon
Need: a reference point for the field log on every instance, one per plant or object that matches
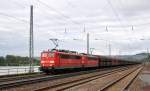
(54, 60)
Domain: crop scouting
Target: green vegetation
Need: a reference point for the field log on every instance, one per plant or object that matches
(11, 60)
(147, 59)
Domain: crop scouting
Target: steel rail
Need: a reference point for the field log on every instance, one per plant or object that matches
(19, 77)
(80, 81)
(41, 79)
(123, 83)
(67, 85)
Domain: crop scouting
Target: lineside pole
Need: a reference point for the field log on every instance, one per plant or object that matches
(87, 43)
(109, 48)
(31, 46)
(148, 56)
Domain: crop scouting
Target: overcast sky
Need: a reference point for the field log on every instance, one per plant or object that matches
(78, 17)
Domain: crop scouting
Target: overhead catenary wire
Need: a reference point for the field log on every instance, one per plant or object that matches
(60, 13)
(95, 16)
(16, 18)
(67, 17)
(17, 4)
(13, 17)
(114, 26)
(87, 28)
(111, 25)
(53, 18)
(115, 12)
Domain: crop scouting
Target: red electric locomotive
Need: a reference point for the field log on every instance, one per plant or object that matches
(62, 59)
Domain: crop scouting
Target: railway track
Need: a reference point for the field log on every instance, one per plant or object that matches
(63, 81)
(105, 83)
(15, 75)
(19, 77)
(19, 83)
(74, 85)
(123, 83)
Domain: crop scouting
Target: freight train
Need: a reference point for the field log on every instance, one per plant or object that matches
(54, 60)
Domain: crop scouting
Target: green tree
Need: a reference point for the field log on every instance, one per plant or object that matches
(36, 62)
(2, 61)
(11, 60)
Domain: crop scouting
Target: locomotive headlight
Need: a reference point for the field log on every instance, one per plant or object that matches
(52, 61)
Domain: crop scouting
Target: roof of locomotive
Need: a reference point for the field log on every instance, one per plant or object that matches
(63, 52)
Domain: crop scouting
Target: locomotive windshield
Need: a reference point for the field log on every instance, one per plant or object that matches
(51, 54)
(48, 54)
(44, 54)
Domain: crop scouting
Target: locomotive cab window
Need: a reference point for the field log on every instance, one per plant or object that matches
(44, 54)
(51, 55)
